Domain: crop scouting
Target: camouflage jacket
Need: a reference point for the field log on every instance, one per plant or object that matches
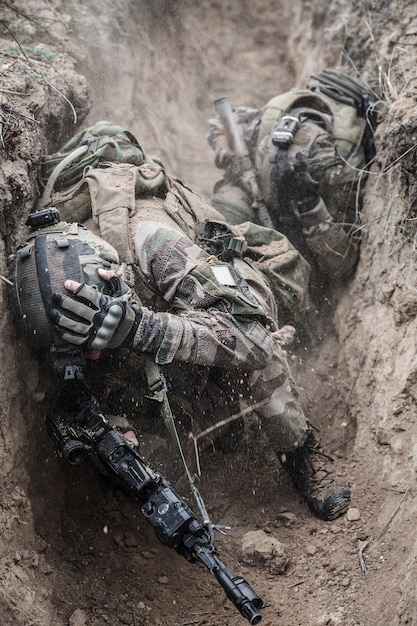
(195, 307)
(213, 317)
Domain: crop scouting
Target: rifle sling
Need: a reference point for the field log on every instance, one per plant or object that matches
(157, 387)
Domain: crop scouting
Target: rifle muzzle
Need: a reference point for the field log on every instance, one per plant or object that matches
(241, 594)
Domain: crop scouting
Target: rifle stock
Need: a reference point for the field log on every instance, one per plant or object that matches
(237, 145)
(174, 522)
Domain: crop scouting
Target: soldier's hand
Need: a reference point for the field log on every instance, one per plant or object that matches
(223, 158)
(296, 184)
(96, 321)
(304, 191)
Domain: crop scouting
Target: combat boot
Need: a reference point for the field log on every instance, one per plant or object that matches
(308, 469)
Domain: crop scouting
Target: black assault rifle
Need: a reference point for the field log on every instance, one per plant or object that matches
(174, 522)
(246, 172)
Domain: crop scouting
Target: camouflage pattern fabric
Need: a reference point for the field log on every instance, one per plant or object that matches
(217, 325)
(340, 179)
(209, 323)
(199, 310)
(286, 270)
(281, 416)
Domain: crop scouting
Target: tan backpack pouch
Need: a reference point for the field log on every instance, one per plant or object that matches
(112, 191)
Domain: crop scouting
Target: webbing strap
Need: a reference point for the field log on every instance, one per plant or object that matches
(157, 387)
(41, 261)
(46, 196)
(67, 360)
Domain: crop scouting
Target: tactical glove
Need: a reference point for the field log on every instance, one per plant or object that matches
(297, 184)
(223, 158)
(95, 321)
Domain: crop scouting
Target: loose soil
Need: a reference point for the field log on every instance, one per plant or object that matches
(74, 552)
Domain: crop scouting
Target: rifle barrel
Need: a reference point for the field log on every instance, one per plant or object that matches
(236, 588)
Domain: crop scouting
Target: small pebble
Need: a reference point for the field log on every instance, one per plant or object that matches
(353, 515)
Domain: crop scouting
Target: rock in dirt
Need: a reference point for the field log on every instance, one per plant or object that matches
(78, 618)
(263, 550)
(353, 515)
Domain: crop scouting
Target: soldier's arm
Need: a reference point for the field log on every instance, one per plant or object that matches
(334, 250)
(217, 139)
(209, 323)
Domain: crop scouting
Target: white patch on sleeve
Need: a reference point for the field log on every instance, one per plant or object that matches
(223, 275)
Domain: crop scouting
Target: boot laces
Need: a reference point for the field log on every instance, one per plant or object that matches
(315, 460)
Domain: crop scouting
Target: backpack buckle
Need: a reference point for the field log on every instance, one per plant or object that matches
(92, 143)
(218, 239)
(283, 136)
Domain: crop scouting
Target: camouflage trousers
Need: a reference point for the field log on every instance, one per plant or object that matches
(212, 395)
(273, 386)
(281, 416)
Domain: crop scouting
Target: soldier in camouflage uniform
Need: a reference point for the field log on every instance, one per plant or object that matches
(188, 306)
(309, 150)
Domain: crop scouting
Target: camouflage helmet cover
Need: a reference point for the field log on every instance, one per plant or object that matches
(43, 261)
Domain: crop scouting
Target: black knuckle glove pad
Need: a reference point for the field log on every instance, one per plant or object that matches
(90, 319)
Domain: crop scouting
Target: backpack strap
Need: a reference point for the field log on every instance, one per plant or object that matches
(344, 89)
(66, 161)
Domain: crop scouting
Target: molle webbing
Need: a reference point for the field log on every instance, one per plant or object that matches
(41, 261)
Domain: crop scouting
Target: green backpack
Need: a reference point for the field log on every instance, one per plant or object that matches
(349, 105)
(101, 143)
